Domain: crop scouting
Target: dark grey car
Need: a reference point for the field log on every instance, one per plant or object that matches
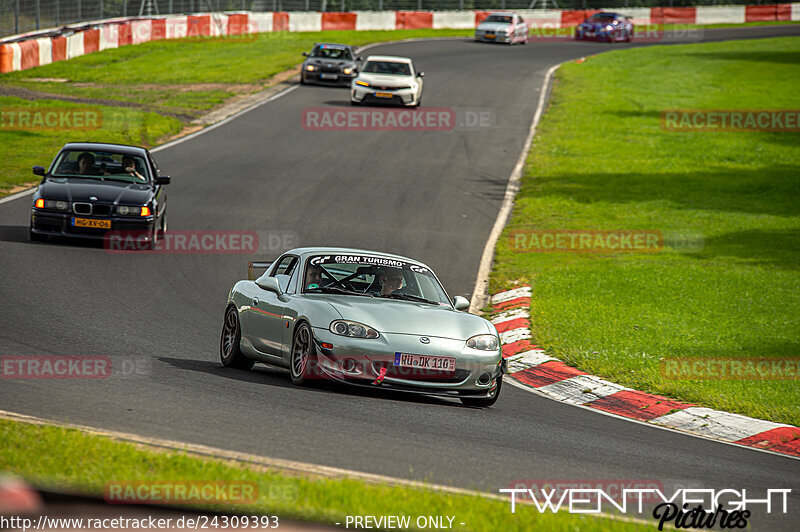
(330, 64)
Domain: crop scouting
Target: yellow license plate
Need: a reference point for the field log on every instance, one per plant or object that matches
(87, 222)
(489, 36)
(384, 95)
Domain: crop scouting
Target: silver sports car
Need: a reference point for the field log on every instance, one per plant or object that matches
(364, 318)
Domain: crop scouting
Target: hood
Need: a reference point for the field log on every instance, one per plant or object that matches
(77, 189)
(494, 26)
(407, 317)
(597, 25)
(321, 61)
(387, 80)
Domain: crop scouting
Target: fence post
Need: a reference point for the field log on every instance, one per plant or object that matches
(79, 11)
(38, 13)
(419, 5)
(124, 8)
(101, 8)
(380, 5)
(16, 19)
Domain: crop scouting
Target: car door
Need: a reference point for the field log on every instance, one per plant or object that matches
(522, 29)
(160, 193)
(265, 320)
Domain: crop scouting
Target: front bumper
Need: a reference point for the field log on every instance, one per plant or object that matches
(594, 35)
(358, 361)
(60, 224)
(493, 37)
(328, 78)
(369, 95)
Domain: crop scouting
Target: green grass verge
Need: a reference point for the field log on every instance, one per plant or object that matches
(164, 84)
(60, 458)
(601, 161)
(23, 149)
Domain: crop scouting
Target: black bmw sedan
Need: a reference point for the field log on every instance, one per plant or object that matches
(92, 189)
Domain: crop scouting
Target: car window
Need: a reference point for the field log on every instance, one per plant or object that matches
(102, 164)
(328, 52)
(285, 266)
(505, 19)
(369, 275)
(393, 68)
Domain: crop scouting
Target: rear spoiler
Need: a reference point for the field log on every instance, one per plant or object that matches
(255, 264)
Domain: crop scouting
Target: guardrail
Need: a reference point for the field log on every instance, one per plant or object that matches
(22, 52)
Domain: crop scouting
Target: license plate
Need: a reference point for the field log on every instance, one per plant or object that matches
(590, 34)
(384, 95)
(95, 224)
(489, 36)
(425, 362)
(328, 76)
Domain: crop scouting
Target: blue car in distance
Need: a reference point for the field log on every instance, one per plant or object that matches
(604, 26)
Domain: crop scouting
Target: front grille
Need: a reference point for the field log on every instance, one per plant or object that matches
(330, 70)
(82, 208)
(101, 210)
(392, 88)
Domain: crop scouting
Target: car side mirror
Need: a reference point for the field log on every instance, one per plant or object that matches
(420, 74)
(461, 303)
(265, 282)
(163, 180)
(359, 58)
(305, 54)
(38, 170)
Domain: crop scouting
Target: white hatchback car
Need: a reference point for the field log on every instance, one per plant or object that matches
(389, 80)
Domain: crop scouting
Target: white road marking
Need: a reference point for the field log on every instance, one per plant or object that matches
(482, 282)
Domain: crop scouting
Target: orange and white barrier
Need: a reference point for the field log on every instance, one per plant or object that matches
(31, 50)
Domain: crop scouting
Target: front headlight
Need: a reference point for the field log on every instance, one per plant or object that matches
(310, 68)
(56, 204)
(609, 27)
(352, 329)
(125, 210)
(484, 342)
(348, 70)
(362, 83)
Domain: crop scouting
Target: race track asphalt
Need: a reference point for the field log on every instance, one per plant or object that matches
(430, 195)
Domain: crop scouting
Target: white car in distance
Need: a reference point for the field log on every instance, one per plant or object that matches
(385, 79)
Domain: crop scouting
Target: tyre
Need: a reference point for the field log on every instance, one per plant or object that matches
(485, 401)
(229, 352)
(303, 358)
(164, 224)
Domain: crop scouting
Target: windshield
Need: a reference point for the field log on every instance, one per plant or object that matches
(371, 276)
(392, 68)
(505, 19)
(101, 165)
(327, 52)
(600, 17)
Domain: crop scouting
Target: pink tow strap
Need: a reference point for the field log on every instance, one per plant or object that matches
(379, 380)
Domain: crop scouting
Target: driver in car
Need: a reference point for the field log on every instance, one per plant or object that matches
(313, 277)
(391, 281)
